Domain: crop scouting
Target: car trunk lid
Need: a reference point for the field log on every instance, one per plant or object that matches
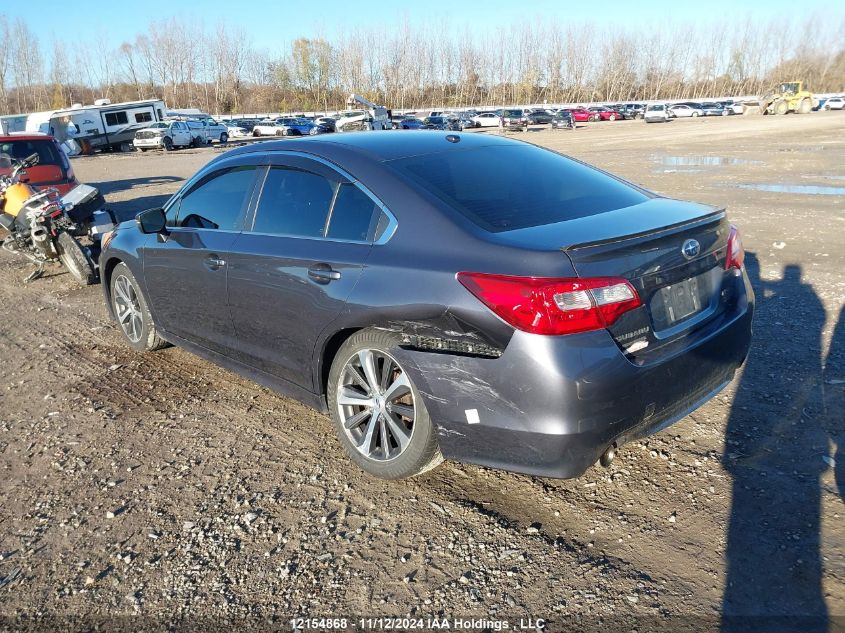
(678, 270)
(672, 252)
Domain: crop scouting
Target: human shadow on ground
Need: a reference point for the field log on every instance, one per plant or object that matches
(776, 445)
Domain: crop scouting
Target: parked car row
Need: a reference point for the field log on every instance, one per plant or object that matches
(193, 132)
(294, 126)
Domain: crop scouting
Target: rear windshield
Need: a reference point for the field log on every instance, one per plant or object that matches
(508, 188)
(48, 152)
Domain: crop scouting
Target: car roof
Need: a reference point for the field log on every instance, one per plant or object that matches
(378, 146)
(24, 136)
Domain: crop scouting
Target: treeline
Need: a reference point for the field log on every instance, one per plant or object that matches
(412, 64)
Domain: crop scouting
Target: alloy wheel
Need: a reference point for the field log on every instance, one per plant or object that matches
(376, 405)
(127, 307)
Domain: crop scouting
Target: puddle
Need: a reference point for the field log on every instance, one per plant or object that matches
(816, 190)
(703, 161)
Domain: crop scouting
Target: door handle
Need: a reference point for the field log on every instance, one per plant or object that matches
(213, 262)
(323, 273)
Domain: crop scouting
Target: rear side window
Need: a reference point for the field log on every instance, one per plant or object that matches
(508, 188)
(218, 201)
(352, 214)
(294, 202)
(48, 153)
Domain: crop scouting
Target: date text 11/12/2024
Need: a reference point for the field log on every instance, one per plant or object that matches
(419, 624)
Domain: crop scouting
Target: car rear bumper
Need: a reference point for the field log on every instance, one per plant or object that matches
(550, 406)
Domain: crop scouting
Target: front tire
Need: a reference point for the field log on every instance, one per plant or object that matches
(378, 413)
(132, 312)
(167, 144)
(75, 259)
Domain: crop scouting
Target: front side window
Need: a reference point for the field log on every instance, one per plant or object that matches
(217, 201)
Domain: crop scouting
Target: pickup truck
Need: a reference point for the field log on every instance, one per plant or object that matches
(165, 135)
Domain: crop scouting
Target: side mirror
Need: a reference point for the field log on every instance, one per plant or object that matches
(152, 221)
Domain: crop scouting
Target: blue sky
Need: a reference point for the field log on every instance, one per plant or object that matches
(272, 24)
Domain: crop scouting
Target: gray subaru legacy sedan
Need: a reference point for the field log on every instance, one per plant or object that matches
(457, 296)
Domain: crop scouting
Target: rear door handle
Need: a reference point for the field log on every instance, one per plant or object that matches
(323, 273)
(213, 262)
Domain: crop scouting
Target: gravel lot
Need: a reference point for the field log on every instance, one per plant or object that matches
(166, 489)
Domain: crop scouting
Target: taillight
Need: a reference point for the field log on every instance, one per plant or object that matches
(736, 253)
(553, 306)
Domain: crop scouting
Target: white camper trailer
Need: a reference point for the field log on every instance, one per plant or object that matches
(105, 124)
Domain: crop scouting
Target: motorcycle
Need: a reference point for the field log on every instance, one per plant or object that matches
(43, 227)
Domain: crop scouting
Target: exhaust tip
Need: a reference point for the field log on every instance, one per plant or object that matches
(607, 457)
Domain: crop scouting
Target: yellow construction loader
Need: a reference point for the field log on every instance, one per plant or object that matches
(789, 96)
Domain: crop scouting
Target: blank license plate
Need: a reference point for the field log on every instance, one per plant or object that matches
(681, 300)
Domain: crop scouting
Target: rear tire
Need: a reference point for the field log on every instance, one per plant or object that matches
(224, 138)
(129, 304)
(75, 259)
(805, 106)
(392, 437)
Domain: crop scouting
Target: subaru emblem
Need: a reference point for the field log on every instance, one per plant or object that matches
(691, 248)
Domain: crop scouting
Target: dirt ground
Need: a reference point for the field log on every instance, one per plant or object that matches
(145, 489)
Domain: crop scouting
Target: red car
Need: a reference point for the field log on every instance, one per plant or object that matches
(53, 168)
(582, 114)
(606, 114)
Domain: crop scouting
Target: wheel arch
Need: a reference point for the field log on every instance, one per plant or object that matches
(326, 357)
(105, 279)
